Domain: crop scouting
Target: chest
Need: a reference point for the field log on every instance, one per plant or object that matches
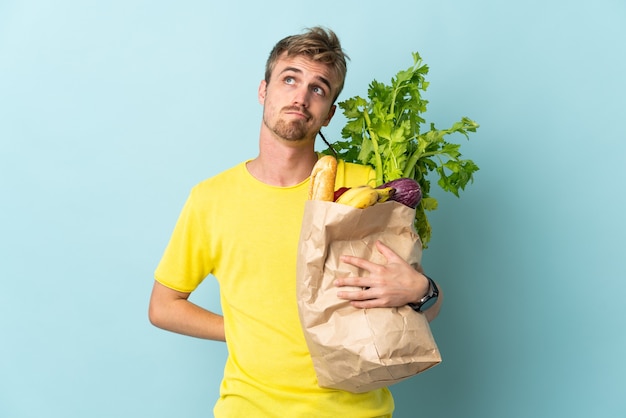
(257, 231)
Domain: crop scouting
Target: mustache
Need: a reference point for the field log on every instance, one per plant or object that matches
(297, 109)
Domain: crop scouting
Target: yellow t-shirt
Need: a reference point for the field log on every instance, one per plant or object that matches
(245, 233)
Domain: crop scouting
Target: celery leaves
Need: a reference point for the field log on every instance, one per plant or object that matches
(385, 131)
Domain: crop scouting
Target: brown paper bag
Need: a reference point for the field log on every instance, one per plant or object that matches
(358, 349)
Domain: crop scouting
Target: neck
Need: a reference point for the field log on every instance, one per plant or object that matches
(283, 164)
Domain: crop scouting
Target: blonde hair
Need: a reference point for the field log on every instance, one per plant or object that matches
(317, 43)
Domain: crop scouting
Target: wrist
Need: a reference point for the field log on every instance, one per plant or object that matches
(428, 299)
(424, 288)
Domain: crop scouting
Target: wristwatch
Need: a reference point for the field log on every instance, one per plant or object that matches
(428, 300)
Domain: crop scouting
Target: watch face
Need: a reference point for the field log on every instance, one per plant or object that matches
(430, 302)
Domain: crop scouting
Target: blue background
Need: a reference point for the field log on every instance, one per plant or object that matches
(111, 111)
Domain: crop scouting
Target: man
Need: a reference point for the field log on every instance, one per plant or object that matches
(242, 226)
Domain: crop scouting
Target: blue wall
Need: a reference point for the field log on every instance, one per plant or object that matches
(111, 111)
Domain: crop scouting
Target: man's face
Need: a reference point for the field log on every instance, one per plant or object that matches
(298, 100)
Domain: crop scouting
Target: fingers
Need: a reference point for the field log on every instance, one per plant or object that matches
(358, 262)
(367, 304)
(388, 253)
(356, 281)
(387, 284)
(366, 298)
(374, 270)
(370, 298)
(355, 295)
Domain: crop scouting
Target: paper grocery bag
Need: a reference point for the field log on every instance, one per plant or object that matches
(352, 349)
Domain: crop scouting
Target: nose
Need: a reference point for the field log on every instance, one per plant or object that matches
(301, 97)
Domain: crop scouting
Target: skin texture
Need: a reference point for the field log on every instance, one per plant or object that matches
(297, 102)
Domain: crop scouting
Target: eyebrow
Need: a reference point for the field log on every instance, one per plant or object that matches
(320, 78)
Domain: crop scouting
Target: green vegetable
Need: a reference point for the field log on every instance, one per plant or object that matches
(384, 132)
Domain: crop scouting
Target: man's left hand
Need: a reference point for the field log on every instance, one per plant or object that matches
(392, 284)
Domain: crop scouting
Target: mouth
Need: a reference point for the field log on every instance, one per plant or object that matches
(298, 112)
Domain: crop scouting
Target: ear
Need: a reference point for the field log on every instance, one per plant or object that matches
(331, 113)
(262, 91)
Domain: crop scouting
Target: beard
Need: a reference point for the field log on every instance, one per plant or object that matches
(290, 131)
(296, 130)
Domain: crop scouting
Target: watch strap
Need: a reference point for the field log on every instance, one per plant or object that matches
(429, 299)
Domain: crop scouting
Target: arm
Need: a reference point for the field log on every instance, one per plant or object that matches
(171, 310)
(393, 284)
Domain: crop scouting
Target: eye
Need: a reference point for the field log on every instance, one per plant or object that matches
(319, 90)
(290, 80)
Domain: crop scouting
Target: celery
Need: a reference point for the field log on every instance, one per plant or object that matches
(384, 132)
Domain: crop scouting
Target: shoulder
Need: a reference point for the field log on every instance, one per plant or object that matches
(226, 178)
